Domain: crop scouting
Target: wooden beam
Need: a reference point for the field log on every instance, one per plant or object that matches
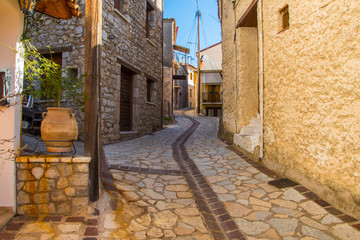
(179, 77)
(181, 49)
(92, 127)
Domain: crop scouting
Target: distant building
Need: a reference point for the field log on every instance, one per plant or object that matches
(211, 80)
(191, 80)
(131, 65)
(180, 86)
(169, 39)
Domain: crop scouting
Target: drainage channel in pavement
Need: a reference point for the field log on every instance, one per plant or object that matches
(220, 223)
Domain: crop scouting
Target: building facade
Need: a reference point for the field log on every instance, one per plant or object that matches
(11, 67)
(169, 29)
(289, 91)
(180, 86)
(211, 80)
(191, 78)
(131, 63)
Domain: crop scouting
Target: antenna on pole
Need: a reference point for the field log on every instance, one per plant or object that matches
(198, 57)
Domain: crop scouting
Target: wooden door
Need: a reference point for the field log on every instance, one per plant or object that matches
(126, 101)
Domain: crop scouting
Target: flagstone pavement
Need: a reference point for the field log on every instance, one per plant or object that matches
(184, 183)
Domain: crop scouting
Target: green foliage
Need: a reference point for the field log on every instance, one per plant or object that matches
(168, 118)
(56, 83)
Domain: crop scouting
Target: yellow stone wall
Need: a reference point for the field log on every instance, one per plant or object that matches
(311, 93)
(312, 97)
(245, 103)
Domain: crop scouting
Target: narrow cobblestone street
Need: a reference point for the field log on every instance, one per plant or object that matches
(184, 183)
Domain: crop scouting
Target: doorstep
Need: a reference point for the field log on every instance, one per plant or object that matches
(6, 213)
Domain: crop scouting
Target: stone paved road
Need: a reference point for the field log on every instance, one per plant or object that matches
(184, 183)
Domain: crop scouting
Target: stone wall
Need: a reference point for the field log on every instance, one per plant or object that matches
(240, 88)
(124, 44)
(132, 49)
(311, 103)
(67, 37)
(311, 95)
(52, 185)
(167, 91)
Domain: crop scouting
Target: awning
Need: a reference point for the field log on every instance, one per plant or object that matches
(64, 9)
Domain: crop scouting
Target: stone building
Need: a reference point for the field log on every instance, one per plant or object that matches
(180, 86)
(175, 94)
(191, 85)
(131, 63)
(290, 93)
(169, 29)
(211, 80)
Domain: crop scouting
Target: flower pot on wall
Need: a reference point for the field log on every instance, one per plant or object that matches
(59, 129)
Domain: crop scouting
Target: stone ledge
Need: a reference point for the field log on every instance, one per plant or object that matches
(125, 17)
(52, 159)
(149, 41)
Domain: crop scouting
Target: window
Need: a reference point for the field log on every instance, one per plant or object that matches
(191, 76)
(122, 6)
(2, 81)
(150, 20)
(284, 18)
(149, 89)
(190, 93)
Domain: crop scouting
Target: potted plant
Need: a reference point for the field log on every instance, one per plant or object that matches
(59, 129)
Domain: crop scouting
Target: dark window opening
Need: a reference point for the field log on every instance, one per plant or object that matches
(149, 20)
(121, 6)
(149, 89)
(2, 82)
(126, 95)
(117, 5)
(285, 17)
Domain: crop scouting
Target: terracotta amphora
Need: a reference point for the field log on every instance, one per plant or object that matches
(59, 129)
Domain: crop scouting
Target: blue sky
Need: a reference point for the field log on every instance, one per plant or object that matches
(184, 12)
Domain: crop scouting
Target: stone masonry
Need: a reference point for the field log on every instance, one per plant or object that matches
(301, 56)
(52, 185)
(126, 43)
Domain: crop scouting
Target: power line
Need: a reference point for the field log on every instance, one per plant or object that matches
(203, 9)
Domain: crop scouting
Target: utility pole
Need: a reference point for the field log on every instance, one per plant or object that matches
(198, 57)
(92, 144)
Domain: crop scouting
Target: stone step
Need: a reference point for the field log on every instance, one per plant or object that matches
(250, 131)
(255, 122)
(247, 142)
(6, 213)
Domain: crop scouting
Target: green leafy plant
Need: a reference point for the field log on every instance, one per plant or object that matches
(55, 83)
(168, 118)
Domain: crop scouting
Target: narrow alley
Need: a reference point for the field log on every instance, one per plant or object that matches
(184, 183)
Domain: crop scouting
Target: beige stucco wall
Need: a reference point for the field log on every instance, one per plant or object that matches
(11, 25)
(311, 94)
(240, 99)
(312, 98)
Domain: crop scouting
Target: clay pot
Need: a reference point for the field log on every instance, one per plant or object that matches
(59, 129)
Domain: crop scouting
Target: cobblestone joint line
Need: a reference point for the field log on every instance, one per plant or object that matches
(217, 218)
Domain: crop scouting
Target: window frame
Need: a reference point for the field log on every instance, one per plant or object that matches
(284, 18)
(149, 19)
(149, 89)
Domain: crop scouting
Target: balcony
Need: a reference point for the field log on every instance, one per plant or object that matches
(211, 98)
